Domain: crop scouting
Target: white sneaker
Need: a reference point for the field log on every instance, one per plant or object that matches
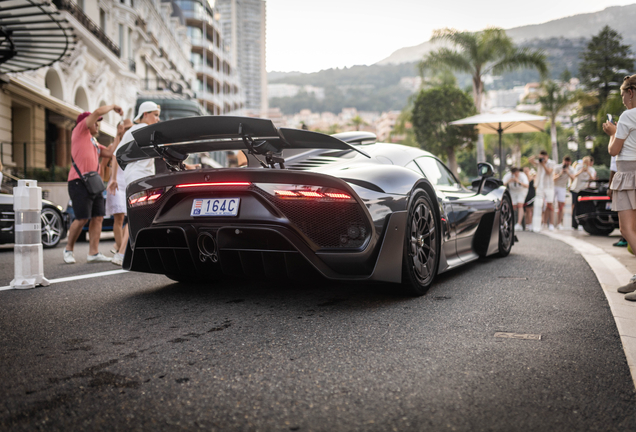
(580, 228)
(551, 227)
(560, 227)
(98, 257)
(118, 259)
(69, 258)
(518, 227)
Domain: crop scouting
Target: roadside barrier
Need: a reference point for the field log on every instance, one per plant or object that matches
(27, 252)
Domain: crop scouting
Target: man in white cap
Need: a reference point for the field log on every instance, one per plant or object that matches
(148, 115)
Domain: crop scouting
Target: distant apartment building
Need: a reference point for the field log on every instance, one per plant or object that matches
(126, 51)
(217, 84)
(412, 84)
(243, 28)
(508, 98)
(385, 124)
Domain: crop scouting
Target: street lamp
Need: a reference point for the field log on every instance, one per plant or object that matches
(573, 146)
(589, 142)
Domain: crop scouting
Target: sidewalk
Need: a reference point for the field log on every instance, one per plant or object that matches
(613, 267)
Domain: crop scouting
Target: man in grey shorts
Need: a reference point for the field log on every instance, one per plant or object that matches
(85, 152)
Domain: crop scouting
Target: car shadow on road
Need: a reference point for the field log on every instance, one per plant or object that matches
(318, 291)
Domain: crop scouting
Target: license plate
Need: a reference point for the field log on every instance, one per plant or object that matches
(215, 207)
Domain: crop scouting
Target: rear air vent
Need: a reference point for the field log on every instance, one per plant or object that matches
(311, 163)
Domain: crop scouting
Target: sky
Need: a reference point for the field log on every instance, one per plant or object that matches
(311, 35)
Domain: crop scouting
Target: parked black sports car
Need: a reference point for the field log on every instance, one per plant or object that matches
(594, 209)
(55, 222)
(343, 205)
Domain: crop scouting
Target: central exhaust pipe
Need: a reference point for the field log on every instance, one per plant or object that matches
(207, 247)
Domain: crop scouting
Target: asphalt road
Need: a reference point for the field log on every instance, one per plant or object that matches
(139, 352)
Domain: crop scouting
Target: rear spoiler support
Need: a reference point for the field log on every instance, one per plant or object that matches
(172, 158)
(263, 147)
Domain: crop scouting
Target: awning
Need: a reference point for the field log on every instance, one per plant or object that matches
(33, 34)
(504, 121)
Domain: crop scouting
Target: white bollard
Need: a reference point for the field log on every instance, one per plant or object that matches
(27, 252)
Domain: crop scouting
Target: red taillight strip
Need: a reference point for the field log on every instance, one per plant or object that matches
(337, 195)
(187, 185)
(310, 194)
(285, 193)
(594, 198)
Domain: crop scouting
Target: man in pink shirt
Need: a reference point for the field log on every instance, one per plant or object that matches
(86, 151)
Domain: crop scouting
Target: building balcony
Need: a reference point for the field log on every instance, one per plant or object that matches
(196, 18)
(207, 70)
(199, 44)
(165, 85)
(80, 16)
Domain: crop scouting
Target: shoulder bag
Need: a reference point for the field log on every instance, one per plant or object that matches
(92, 180)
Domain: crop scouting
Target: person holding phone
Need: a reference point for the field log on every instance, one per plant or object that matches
(622, 144)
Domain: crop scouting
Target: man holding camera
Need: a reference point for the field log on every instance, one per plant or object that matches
(562, 174)
(544, 184)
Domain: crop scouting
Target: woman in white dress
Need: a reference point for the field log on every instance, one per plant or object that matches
(116, 198)
(148, 115)
(623, 145)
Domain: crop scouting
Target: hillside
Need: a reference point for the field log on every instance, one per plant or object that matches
(620, 18)
(377, 87)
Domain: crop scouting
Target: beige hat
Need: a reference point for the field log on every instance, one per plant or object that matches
(148, 106)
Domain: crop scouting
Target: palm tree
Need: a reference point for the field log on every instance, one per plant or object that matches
(357, 121)
(554, 99)
(488, 52)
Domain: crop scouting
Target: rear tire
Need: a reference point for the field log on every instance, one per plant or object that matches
(592, 229)
(506, 227)
(421, 246)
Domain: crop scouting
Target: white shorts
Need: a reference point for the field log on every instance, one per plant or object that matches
(546, 194)
(518, 197)
(560, 194)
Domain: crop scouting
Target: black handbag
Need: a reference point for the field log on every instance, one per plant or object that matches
(92, 180)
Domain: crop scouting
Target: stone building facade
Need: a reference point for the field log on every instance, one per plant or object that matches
(126, 51)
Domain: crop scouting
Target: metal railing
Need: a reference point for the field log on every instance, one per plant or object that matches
(79, 15)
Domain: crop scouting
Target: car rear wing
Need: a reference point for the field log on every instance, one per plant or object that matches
(173, 140)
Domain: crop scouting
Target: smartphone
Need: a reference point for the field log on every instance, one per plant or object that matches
(610, 119)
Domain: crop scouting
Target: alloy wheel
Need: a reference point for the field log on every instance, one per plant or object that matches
(423, 242)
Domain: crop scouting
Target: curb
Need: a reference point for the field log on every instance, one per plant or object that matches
(611, 274)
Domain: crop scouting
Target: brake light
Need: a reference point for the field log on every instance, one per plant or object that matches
(213, 184)
(305, 192)
(594, 198)
(145, 197)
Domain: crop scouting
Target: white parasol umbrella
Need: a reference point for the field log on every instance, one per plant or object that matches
(504, 121)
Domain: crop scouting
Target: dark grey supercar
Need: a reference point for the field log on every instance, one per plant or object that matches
(342, 205)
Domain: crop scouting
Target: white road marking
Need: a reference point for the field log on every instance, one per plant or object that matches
(73, 278)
